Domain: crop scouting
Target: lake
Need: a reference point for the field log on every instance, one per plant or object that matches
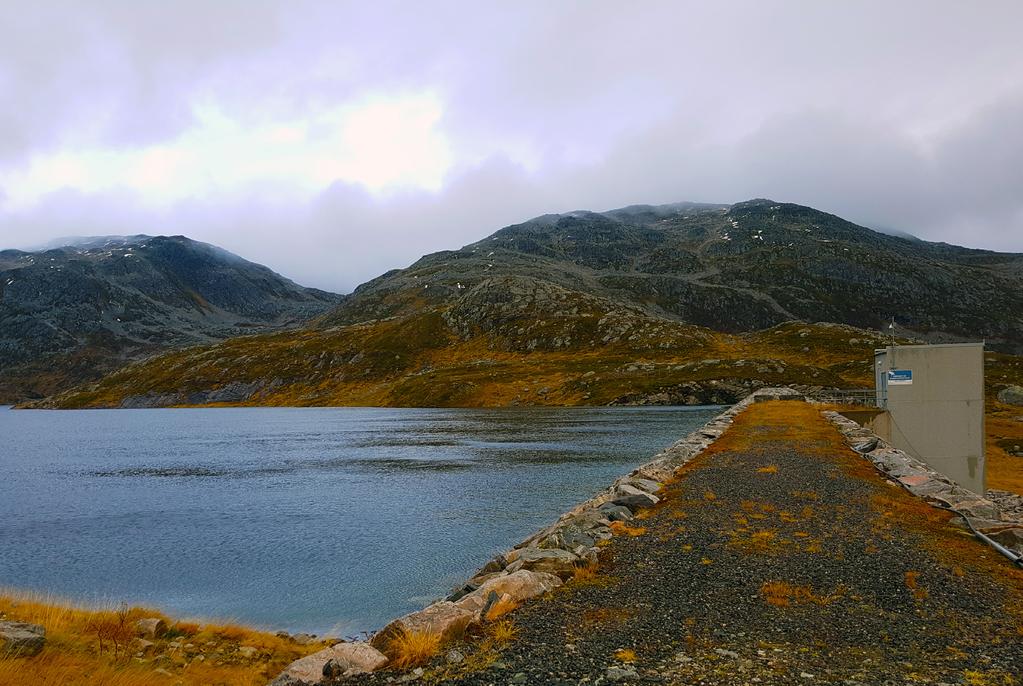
(327, 520)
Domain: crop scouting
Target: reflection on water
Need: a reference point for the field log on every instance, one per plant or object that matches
(314, 519)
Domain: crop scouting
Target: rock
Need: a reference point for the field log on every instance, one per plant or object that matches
(344, 659)
(974, 508)
(143, 645)
(443, 618)
(519, 678)
(454, 657)
(248, 652)
(616, 673)
(519, 586)
(1011, 538)
(304, 639)
(21, 639)
(616, 513)
(1011, 395)
(333, 670)
(646, 485)
(461, 592)
(726, 653)
(153, 627)
(637, 501)
(551, 560)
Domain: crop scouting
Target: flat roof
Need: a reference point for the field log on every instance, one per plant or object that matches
(878, 351)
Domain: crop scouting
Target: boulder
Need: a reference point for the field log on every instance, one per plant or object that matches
(647, 485)
(1011, 538)
(522, 585)
(975, 508)
(551, 560)
(21, 639)
(153, 627)
(633, 498)
(616, 513)
(446, 619)
(1011, 395)
(342, 660)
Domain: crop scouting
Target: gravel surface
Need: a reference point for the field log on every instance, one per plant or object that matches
(778, 557)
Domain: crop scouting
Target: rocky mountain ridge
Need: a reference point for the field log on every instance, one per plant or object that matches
(733, 268)
(73, 313)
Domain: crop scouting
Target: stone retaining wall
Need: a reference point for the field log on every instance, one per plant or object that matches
(536, 566)
(997, 514)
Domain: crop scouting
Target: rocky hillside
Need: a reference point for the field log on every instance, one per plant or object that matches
(729, 268)
(73, 313)
(671, 304)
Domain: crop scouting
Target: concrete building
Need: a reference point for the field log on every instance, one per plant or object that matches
(934, 397)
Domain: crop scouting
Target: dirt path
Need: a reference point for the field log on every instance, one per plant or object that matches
(778, 557)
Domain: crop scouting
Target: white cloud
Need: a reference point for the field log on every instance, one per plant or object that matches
(334, 140)
(382, 142)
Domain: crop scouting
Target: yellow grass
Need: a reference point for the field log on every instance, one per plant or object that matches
(784, 594)
(503, 631)
(769, 469)
(500, 609)
(96, 646)
(625, 655)
(410, 649)
(1004, 471)
(623, 528)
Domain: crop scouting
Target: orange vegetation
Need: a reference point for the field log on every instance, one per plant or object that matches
(96, 646)
(783, 594)
(623, 528)
(413, 648)
(625, 655)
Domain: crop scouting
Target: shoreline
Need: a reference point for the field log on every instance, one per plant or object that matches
(588, 449)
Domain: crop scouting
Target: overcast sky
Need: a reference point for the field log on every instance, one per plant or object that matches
(333, 140)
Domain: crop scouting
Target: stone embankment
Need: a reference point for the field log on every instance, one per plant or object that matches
(998, 515)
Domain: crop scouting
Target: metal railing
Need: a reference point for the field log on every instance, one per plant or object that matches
(856, 396)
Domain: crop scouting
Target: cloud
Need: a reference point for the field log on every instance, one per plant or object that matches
(333, 141)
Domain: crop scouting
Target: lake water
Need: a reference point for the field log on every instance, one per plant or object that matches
(329, 520)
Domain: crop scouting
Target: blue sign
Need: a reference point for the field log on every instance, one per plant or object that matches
(900, 377)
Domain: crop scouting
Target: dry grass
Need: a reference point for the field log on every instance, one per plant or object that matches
(410, 649)
(503, 631)
(623, 528)
(784, 594)
(758, 541)
(769, 469)
(95, 645)
(500, 609)
(625, 655)
(1004, 471)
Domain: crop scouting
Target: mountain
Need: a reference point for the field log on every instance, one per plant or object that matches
(676, 303)
(729, 268)
(72, 313)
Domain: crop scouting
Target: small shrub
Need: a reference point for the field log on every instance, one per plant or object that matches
(413, 648)
(500, 609)
(503, 632)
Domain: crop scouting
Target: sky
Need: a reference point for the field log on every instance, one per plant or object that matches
(335, 140)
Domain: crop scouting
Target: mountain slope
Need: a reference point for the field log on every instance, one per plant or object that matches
(669, 304)
(72, 313)
(733, 269)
